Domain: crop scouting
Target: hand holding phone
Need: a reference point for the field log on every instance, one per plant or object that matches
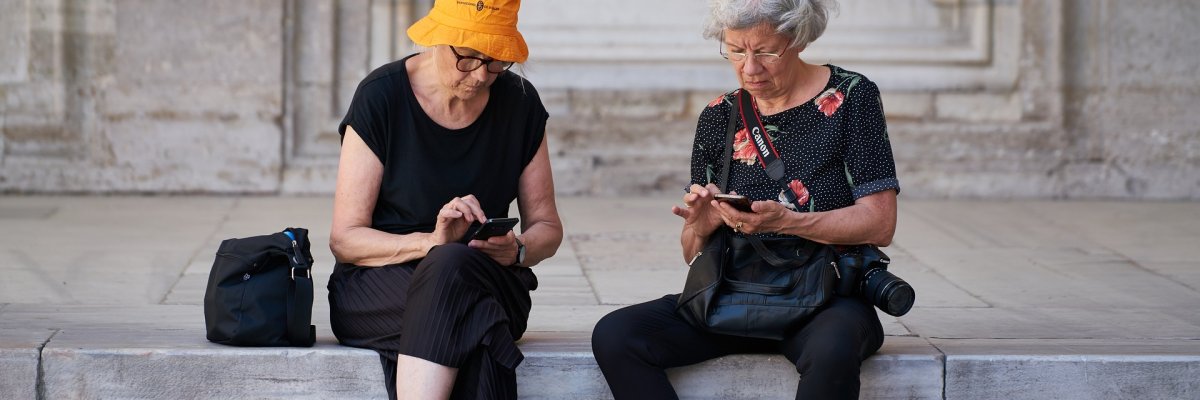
(489, 228)
(739, 202)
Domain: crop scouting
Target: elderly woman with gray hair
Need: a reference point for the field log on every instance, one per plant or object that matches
(839, 189)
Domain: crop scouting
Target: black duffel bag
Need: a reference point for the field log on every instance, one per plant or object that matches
(756, 287)
(260, 291)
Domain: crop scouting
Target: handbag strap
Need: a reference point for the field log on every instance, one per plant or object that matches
(724, 182)
(300, 297)
(767, 255)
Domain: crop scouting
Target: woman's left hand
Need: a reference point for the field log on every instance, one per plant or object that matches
(768, 216)
(503, 249)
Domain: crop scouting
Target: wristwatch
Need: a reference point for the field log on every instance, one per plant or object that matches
(520, 252)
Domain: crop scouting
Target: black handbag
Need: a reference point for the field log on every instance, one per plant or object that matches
(763, 288)
(755, 287)
(260, 291)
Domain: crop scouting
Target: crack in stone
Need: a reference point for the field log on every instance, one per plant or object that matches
(41, 369)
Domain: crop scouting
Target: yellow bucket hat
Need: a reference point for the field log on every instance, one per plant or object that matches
(489, 26)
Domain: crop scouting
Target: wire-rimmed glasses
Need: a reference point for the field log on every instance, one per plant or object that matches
(764, 58)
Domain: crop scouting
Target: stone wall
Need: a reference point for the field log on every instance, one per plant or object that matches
(1132, 99)
(1001, 98)
(141, 96)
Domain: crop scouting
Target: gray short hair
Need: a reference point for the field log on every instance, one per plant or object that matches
(803, 20)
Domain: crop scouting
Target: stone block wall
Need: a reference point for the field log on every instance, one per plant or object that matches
(142, 96)
(985, 98)
(1132, 96)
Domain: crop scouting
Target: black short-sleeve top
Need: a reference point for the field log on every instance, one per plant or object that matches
(835, 146)
(425, 165)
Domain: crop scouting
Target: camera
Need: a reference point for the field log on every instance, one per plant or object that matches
(862, 271)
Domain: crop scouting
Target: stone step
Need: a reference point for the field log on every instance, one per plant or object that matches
(559, 365)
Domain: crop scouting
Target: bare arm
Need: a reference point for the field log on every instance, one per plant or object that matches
(351, 238)
(871, 220)
(541, 228)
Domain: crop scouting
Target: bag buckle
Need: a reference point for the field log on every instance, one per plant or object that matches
(297, 257)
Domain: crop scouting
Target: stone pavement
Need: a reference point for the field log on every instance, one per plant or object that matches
(100, 297)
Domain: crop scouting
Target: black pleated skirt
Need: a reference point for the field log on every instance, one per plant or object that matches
(455, 307)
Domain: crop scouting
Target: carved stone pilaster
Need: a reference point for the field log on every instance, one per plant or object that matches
(330, 46)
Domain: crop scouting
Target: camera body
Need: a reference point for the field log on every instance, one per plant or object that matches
(862, 271)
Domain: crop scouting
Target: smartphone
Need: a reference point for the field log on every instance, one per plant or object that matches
(489, 228)
(741, 203)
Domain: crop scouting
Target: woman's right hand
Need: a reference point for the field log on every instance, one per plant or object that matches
(698, 214)
(700, 220)
(456, 217)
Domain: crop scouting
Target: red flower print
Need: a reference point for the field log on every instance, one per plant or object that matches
(743, 150)
(829, 101)
(716, 101)
(799, 190)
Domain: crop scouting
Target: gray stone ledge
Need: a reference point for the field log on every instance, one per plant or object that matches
(557, 365)
(97, 363)
(1071, 369)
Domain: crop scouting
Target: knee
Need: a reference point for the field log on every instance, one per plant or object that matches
(449, 253)
(605, 337)
(832, 354)
(447, 262)
(613, 337)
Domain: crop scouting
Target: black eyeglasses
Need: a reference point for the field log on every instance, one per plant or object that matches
(469, 63)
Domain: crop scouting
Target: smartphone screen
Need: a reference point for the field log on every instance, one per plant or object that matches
(489, 228)
(741, 203)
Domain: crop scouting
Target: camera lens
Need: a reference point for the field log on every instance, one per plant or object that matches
(888, 292)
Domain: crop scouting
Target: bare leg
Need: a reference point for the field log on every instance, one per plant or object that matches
(422, 379)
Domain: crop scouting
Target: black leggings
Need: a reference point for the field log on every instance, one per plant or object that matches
(634, 345)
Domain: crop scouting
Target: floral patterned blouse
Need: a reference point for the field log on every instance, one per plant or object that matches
(835, 147)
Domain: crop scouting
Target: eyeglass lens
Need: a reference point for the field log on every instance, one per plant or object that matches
(470, 63)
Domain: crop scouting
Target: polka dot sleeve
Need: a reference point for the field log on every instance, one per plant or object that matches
(870, 167)
(708, 146)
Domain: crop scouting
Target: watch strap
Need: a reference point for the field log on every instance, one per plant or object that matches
(520, 251)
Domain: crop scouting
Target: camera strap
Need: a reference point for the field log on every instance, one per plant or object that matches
(767, 155)
(766, 151)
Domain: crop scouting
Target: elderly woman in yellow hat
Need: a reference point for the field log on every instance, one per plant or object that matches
(433, 145)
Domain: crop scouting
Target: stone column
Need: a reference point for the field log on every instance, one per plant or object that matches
(331, 45)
